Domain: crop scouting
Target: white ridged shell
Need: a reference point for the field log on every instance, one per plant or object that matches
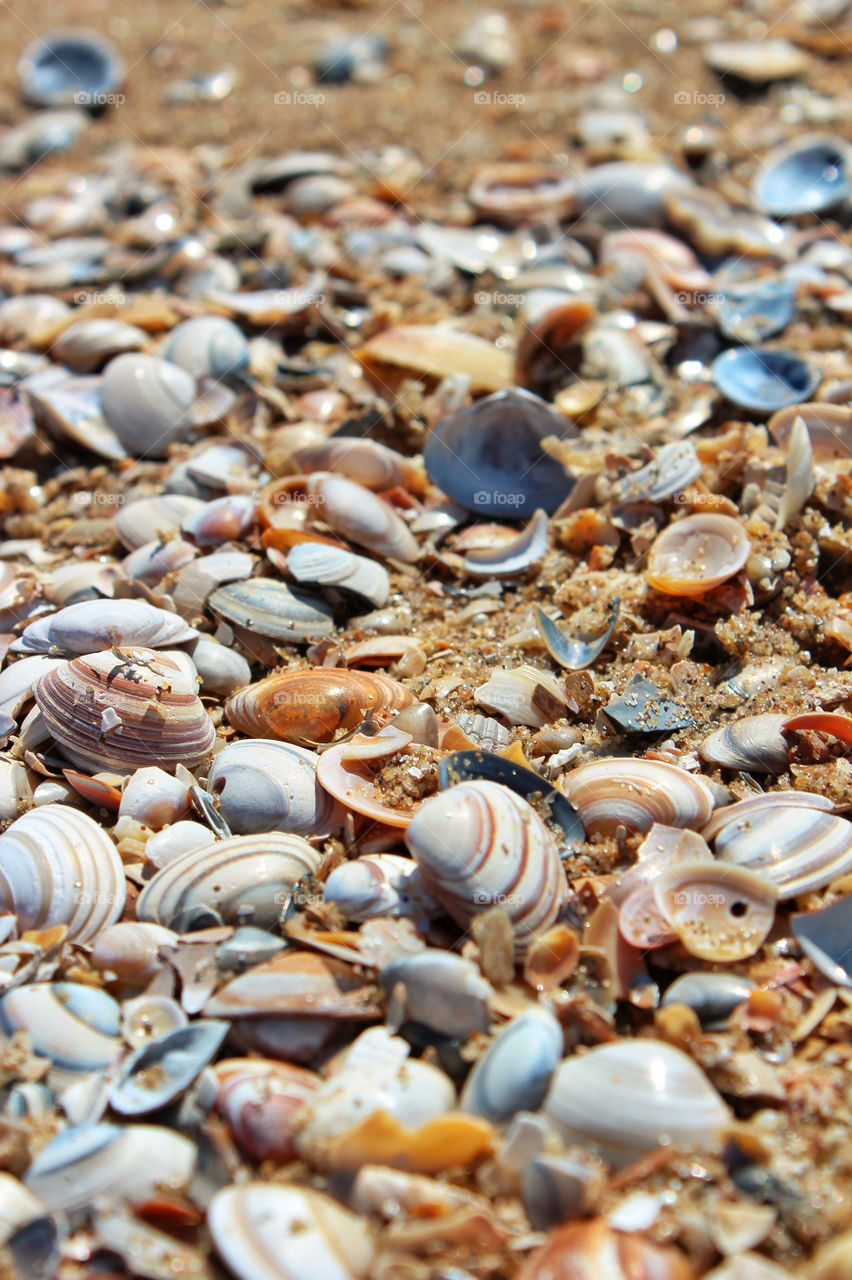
(97, 624)
(265, 785)
(798, 849)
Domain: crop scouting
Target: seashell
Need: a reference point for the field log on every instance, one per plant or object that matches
(420, 721)
(465, 766)
(29, 313)
(642, 708)
(623, 194)
(797, 849)
(207, 347)
(223, 520)
(237, 879)
(384, 651)
(265, 785)
(635, 793)
(756, 62)
(519, 193)
(749, 1266)
(154, 798)
(697, 553)
(365, 461)
(149, 1017)
(83, 1164)
(57, 866)
(829, 428)
(131, 950)
(489, 457)
(92, 625)
(305, 707)
(675, 466)
(321, 565)
(123, 708)
(434, 352)
(70, 66)
(752, 313)
(376, 885)
(247, 946)
(260, 1102)
(16, 789)
(595, 1249)
(829, 722)
(515, 556)
(757, 804)
(478, 845)
(648, 1094)
(160, 1071)
(752, 743)
(153, 561)
(486, 733)
(718, 913)
(823, 935)
(164, 846)
(76, 1027)
(514, 1072)
(221, 670)
(86, 345)
(524, 695)
(762, 380)
(19, 1206)
(227, 464)
(810, 174)
(800, 475)
(267, 1231)
(195, 582)
(360, 516)
(552, 958)
(712, 996)
(72, 407)
(147, 401)
(160, 517)
(442, 991)
(347, 772)
(266, 607)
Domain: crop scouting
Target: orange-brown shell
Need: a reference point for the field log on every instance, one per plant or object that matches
(592, 1250)
(697, 553)
(311, 706)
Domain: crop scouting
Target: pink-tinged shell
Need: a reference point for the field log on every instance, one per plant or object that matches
(594, 1251)
(347, 771)
(697, 553)
(366, 461)
(223, 520)
(305, 707)
(478, 845)
(360, 516)
(518, 193)
(636, 793)
(830, 722)
(295, 985)
(720, 913)
(131, 950)
(121, 709)
(260, 1101)
(640, 921)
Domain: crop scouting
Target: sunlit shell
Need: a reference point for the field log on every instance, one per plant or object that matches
(523, 551)
(829, 428)
(759, 804)
(594, 1250)
(477, 845)
(58, 866)
(16, 787)
(366, 461)
(152, 562)
(221, 670)
(435, 352)
(245, 878)
(346, 772)
(376, 885)
(753, 743)
(646, 1094)
(360, 516)
(266, 785)
(269, 1231)
(146, 402)
(807, 175)
(260, 1101)
(207, 347)
(266, 607)
(149, 1016)
(718, 913)
(223, 520)
(441, 991)
(524, 695)
(156, 517)
(318, 564)
(159, 1071)
(795, 848)
(517, 193)
(72, 407)
(154, 798)
(124, 708)
(306, 707)
(92, 625)
(572, 654)
(75, 1026)
(514, 1072)
(697, 553)
(635, 793)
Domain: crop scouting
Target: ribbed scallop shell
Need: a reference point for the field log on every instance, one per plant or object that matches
(124, 708)
(92, 625)
(479, 845)
(267, 607)
(636, 793)
(260, 1101)
(57, 866)
(266, 785)
(360, 516)
(311, 706)
(232, 877)
(628, 1098)
(697, 553)
(798, 849)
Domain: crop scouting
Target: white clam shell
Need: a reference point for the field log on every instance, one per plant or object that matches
(798, 849)
(76, 1027)
(149, 1017)
(57, 866)
(627, 1098)
(636, 793)
(17, 680)
(131, 950)
(207, 347)
(154, 798)
(83, 1164)
(514, 1072)
(223, 520)
(98, 624)
(146, 402)
(524, 695)
(158, 1072)
(87, 344)
(235, 877)
(156, 517)
(512, 557)
(222, 671)
(264, 785)
(267, 1231)
(479, 845)
(375, 885)
(361, 516)
(366, 461)
(151, 562)
(166, 845)
(326, 566)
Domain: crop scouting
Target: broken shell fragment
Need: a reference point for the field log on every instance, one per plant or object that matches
(575, 655)
(524, 695)
(719, 913)
(158, 1072)
(324, 566)
(696, 553)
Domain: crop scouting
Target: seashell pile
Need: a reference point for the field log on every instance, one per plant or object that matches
(426, 644)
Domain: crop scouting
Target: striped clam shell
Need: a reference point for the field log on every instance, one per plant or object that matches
(75, 1026)
(236, 878)
(265, 785)
(755, 743)
(58, 866)
(477, 845)
(524, 695)
(636, 793)
(92, 625)
(121, 709)
(361, 516)
(305, 707)
(797, 848)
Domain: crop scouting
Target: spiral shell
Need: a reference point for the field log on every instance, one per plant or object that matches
(636, 793)
(57, 866)
(478, 844)
(93, 625)
(266, 785)
(121, 709)
(305, 707)
(260, 1101)
(697, 553)
(360, 516)
(231, 878)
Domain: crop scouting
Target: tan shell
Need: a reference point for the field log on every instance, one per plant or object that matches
(518, 193)
(121, 709)
(718, 912)
(636, 793)
(434, 352)
(361, 516)
(346, 772)
(306, 707)
(697, 553)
